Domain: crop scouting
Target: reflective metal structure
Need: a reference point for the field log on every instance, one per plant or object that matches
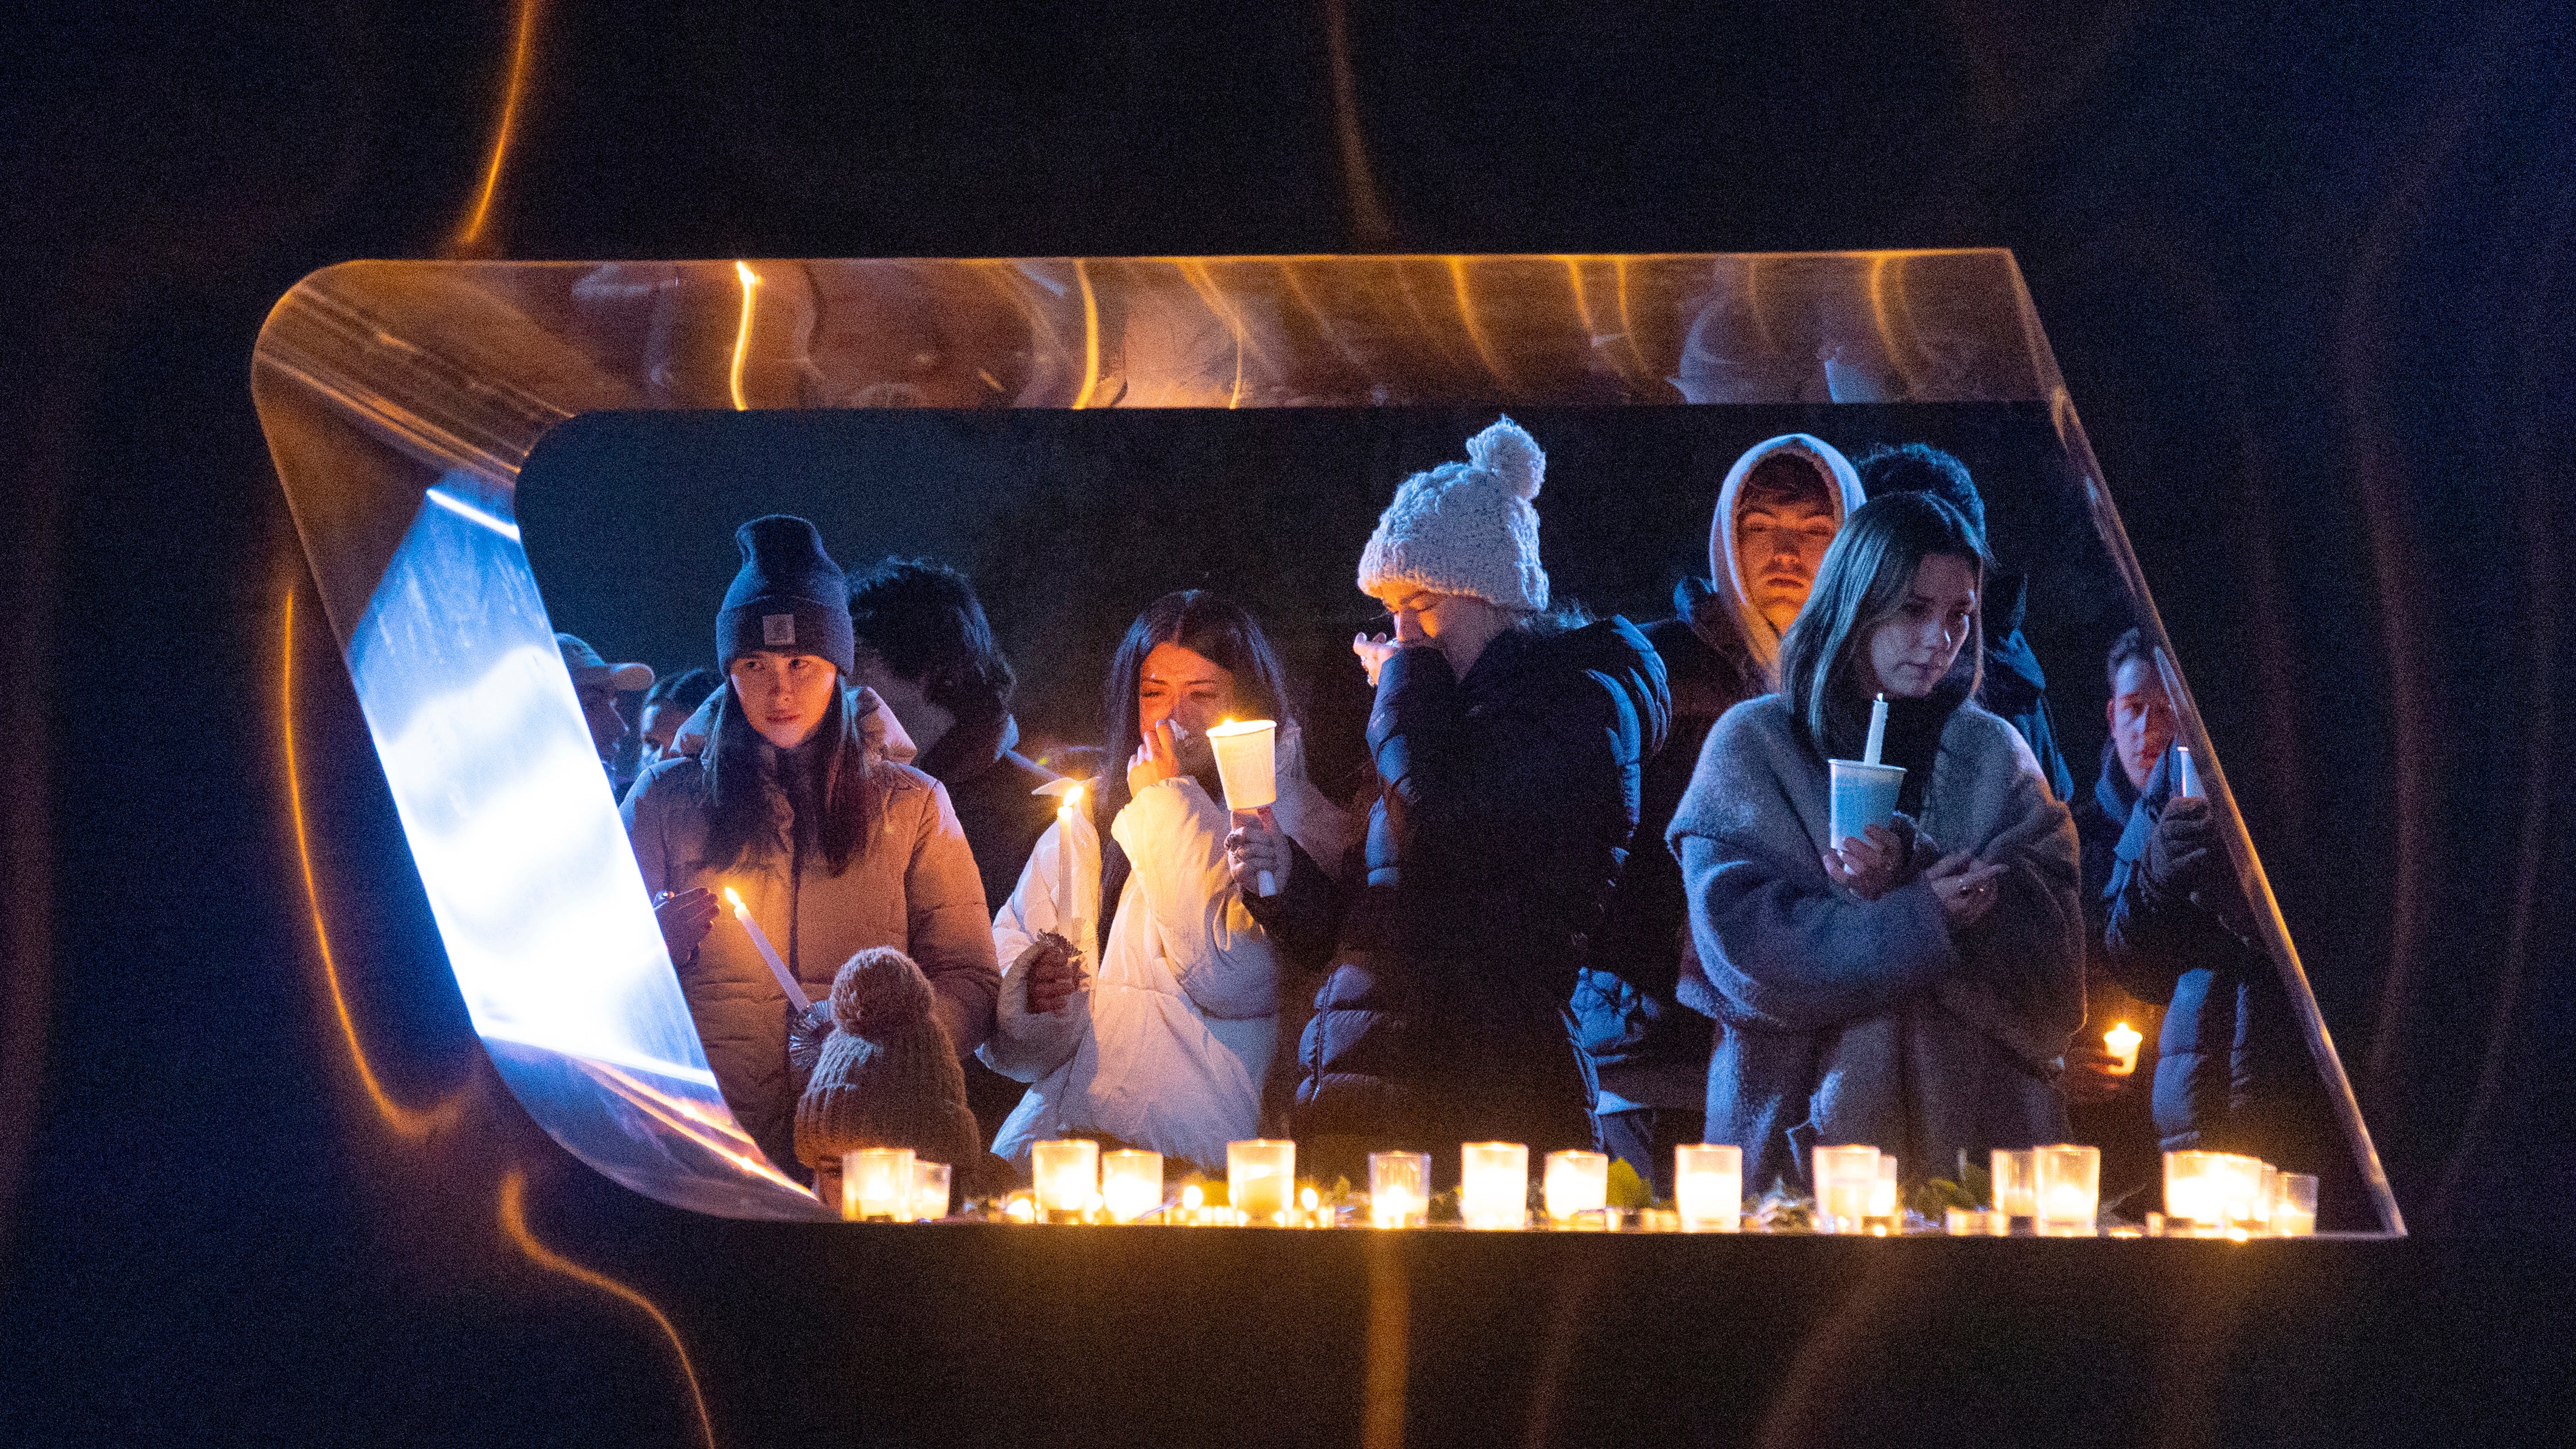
(400, 400)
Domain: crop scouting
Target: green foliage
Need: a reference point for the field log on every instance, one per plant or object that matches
(1628, 1191)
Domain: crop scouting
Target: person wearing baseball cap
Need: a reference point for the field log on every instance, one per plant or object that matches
(598, 683)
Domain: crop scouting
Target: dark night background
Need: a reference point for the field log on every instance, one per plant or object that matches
(2306, 270)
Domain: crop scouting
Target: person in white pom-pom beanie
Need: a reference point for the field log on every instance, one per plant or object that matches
(1508, 740)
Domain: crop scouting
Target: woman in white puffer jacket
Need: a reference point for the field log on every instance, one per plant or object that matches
(1166, 1045)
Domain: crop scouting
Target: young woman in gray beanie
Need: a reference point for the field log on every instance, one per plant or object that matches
(1508, 742)
(793, 807)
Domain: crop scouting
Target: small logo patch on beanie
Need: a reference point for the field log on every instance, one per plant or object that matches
(778, 628)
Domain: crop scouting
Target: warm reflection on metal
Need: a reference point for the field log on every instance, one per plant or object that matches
(405, 1121)
(401, 398)
(514, 1226)
(470, 237)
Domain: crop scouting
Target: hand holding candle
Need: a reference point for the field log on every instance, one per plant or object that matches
(1247, 762)
(760, 939)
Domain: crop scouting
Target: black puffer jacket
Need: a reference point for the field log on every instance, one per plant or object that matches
(1625, 1010)
(1505, 807)
(2014, 687)
(994, 789)
(2232, 1069)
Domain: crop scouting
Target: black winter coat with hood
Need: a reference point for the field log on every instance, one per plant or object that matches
(1505, 807)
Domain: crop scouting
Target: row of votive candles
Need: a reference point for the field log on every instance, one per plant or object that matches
(2222, 1191)
(890, 1183)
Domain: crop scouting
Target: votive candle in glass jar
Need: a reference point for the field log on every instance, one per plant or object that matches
(2193, 1196)
(1493, 1184)
(2066, 1178)
(1846, 1180)
(1399, 1188)
(1131, 1183)
(1068, 1174)
(876, 1182)
(1576, 1182)
(1708, 1186)
(1882, 1198)
(2239, 1185)
(2013, 1184)
(1261, 1178)
(2294, 1205)
(929, 1190)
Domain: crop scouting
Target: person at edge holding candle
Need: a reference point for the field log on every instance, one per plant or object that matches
(926, 648)
(1167, 1046)
(1777, 511)
(2011, 684)
(2232, 1072)
(1914, 989)
(1508, 742)
(794, 804)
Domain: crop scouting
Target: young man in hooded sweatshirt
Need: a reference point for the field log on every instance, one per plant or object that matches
(1777, 511)
(1508, 743)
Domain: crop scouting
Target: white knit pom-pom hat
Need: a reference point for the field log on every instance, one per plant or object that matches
(1467, 528)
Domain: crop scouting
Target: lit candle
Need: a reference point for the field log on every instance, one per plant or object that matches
(876, 1182)
(2192, 1192)
(1131, 1183)
(1493, 1184)
(2067, 1180)
(1260, 1176)
(1882, 1198)
(2239, 1183)
(1247, 764)
(2186, 775)
(2123, 1041)
(1193, 1204)
(760, 939)
(1877, 731)
(1846, 1180)
(1068, 1173)
(1310, 1208)
(1576, 1182)
(1065, 910)
(1708, 1186)
(2294, 1209)
(929, 1191)
(1399, 1188)
(2012, 1183)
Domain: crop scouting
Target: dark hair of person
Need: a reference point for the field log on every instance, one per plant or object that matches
(686, 691)
(2130, 646)
(1216, 629)
(851, 792)
(921, 618)
(1781, 479)
(1866, 578)
(1922, 468)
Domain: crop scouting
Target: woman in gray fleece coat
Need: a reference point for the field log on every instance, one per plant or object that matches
(1914, 988)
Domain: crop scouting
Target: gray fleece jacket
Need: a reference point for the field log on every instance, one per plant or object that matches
(1847, 1021)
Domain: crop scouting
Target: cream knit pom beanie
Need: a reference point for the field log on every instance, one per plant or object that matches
(1467, 528)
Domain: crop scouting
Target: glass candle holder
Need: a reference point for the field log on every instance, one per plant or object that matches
(2013, 1183)
(2238, 1183)
(1399, 1188)
(1708, 1186)
(1846, 1179)
(1493, 1184)
(1068, 1173)
(2193, 1199)
(2294, 1205)
(929, 1191)
(1131, 1184)
(876, 1182)
(1882, 1198)
(2067, 1180)
(1575, 1182)
(1260, 1178)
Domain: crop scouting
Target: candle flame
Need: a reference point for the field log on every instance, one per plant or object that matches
(735, 899)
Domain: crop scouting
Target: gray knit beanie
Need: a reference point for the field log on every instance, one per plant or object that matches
(1467, 528)
(887, 1076)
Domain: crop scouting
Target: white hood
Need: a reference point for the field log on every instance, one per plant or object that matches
(1842, 486)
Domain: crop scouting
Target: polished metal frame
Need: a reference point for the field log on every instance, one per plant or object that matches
(401, 399)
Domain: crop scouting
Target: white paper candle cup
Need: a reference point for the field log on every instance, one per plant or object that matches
(2066, 1180)
(1068, 1173)
(1493, 1184)
(1131, 1183)
(929, 1190)
(1261, 1178)
(1708, 1186)
(1399, 1189)
(1846, 1180)
(1247, 761)
(2013, 1183)
(876, 1182)
(1862, 796)
(1575, 1182)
